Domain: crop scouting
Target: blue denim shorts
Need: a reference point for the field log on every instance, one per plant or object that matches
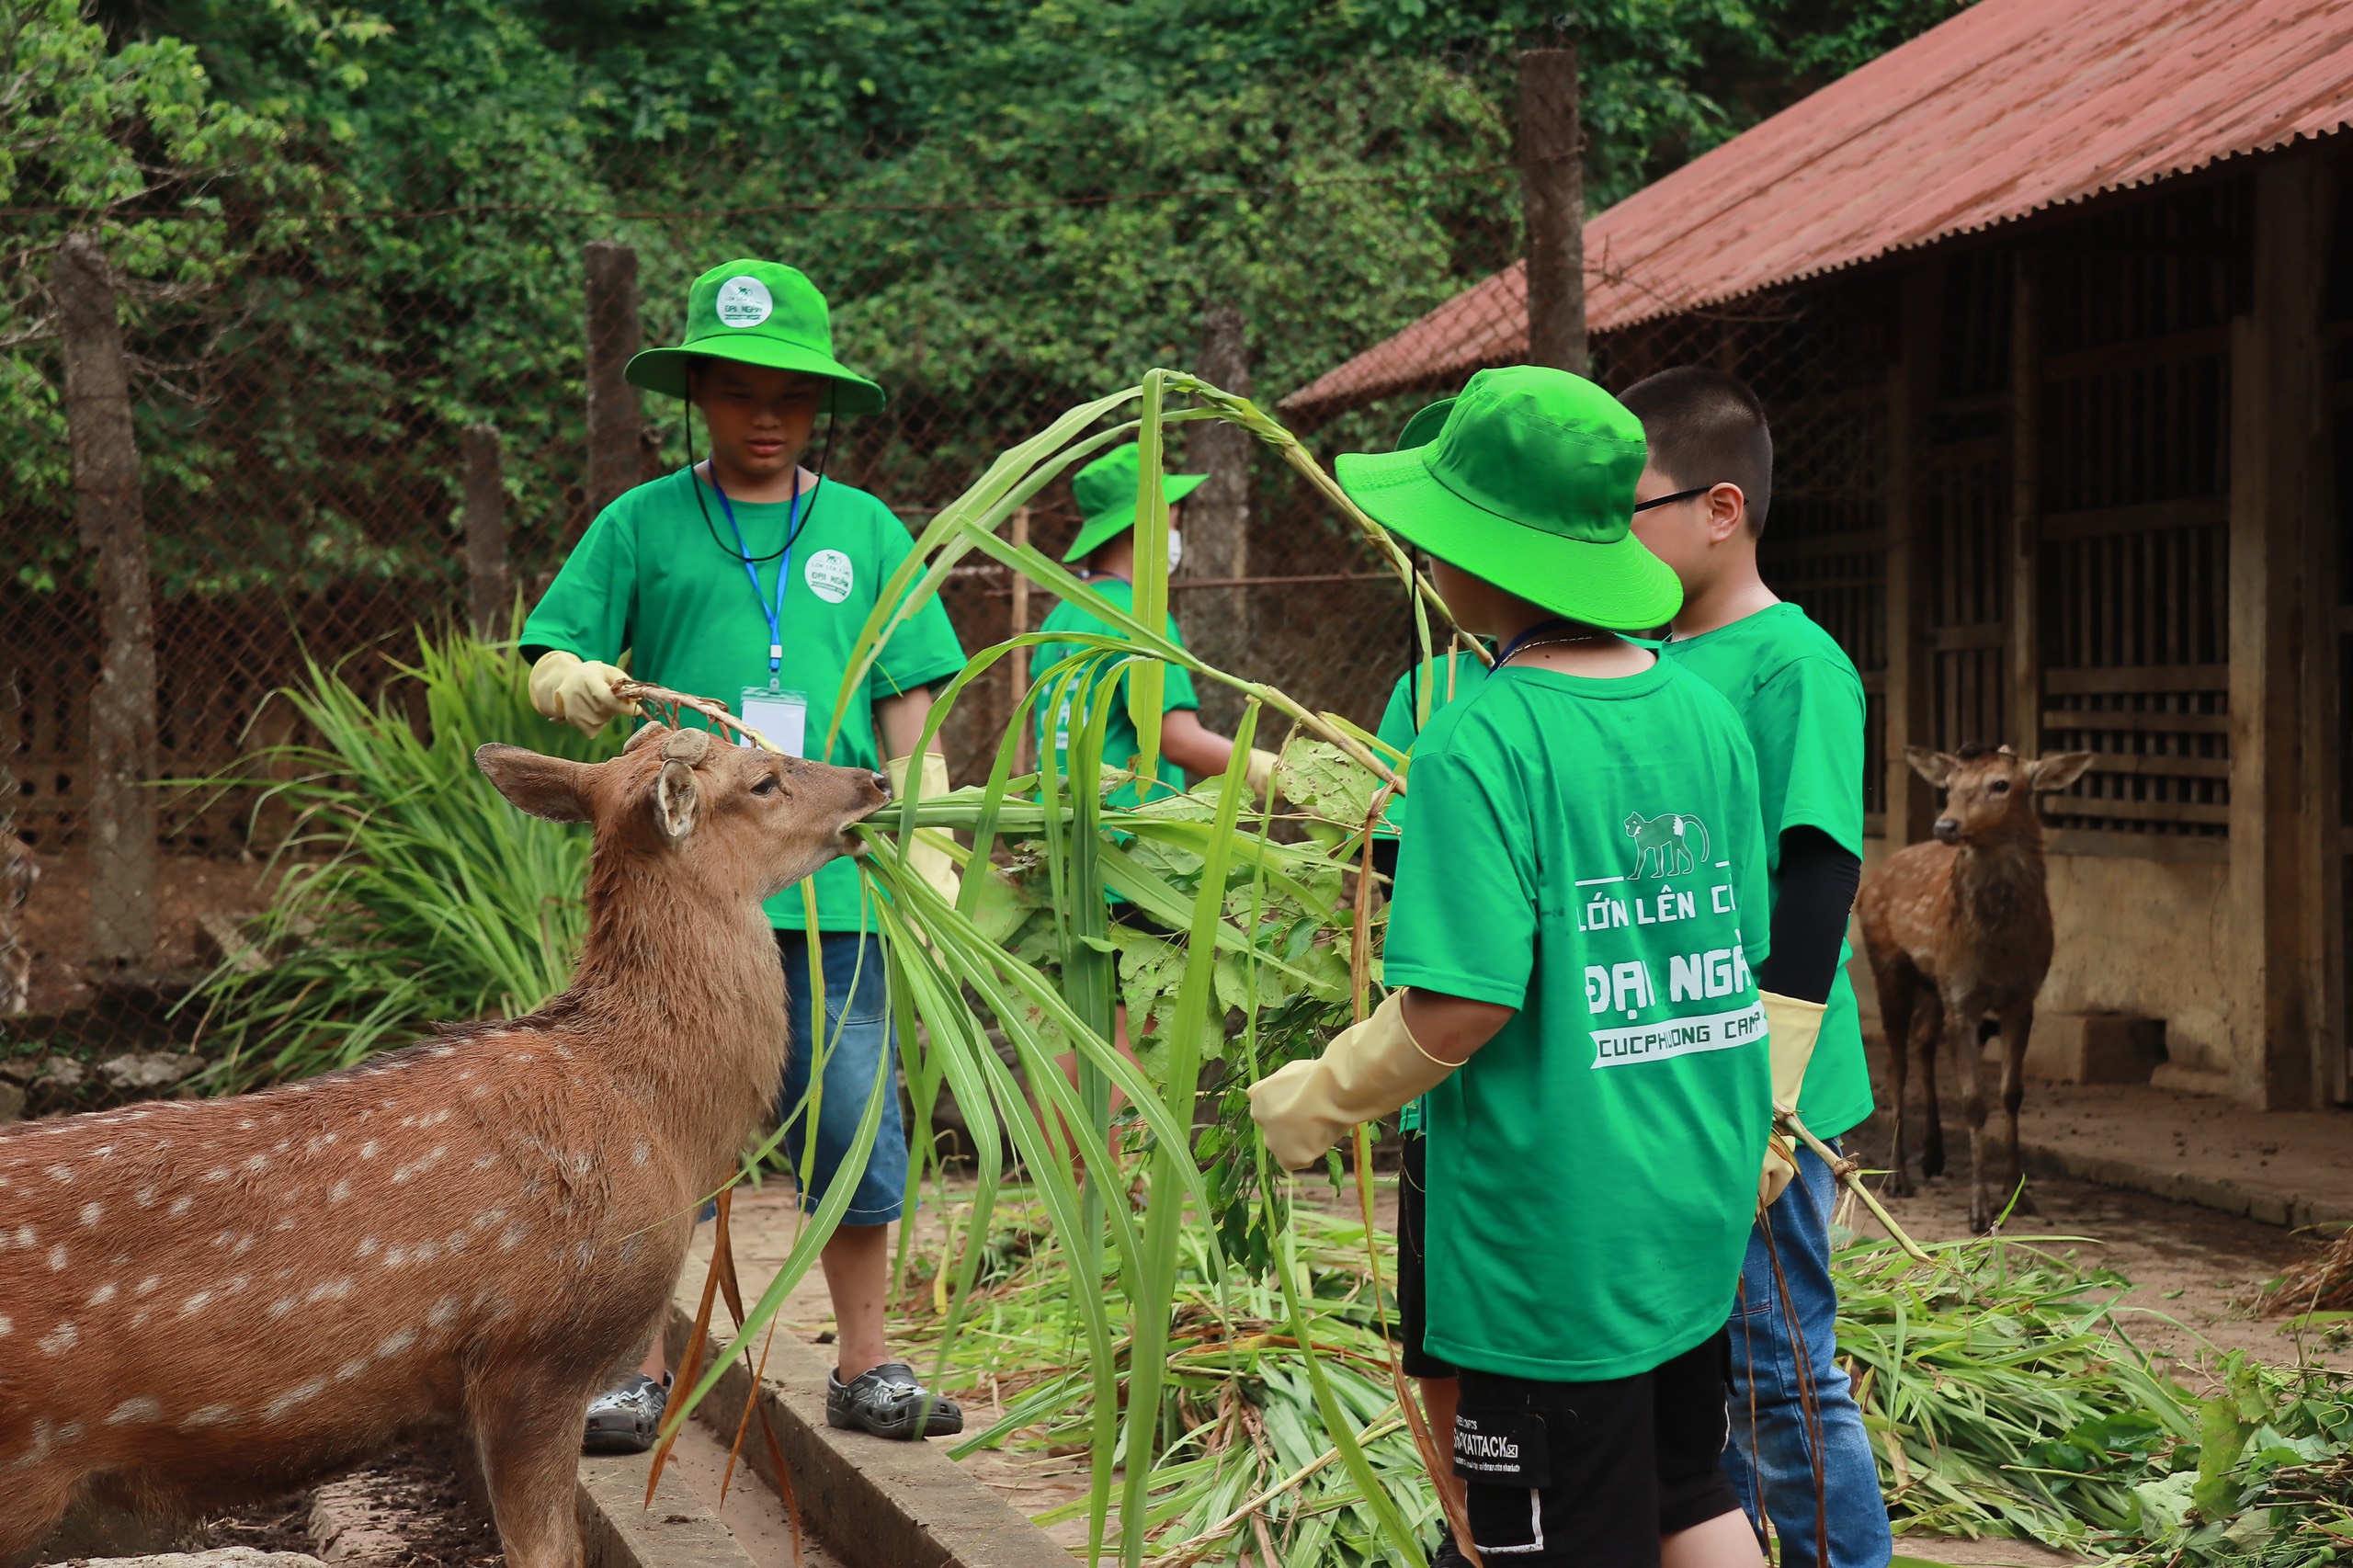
(859, 1044)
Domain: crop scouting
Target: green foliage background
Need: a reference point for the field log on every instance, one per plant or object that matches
(348, 231)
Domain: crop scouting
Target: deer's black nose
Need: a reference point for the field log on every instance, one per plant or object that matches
(882, 782)
(1946, 830)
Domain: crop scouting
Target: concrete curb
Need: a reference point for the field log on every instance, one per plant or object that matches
(618, 1530)
(2267, 1204)
(875, 1504)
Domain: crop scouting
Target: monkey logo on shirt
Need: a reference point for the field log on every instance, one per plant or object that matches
(1667, 839)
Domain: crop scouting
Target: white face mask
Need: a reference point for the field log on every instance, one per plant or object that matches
(1175, 550)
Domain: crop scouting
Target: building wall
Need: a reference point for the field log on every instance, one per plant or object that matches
(2136, 937)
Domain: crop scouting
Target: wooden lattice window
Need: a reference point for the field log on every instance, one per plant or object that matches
(2134, 482)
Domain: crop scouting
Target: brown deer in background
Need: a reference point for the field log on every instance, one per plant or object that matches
(473, 1233)
(1957, 929)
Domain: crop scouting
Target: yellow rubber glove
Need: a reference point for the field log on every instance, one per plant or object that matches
(576, 691)
(1259, 771)
(925, 857)
(1793, 1026)
(1367, 1071)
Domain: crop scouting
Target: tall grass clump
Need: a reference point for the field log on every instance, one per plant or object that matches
(406, 891)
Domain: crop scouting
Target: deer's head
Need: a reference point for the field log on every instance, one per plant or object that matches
(1989, 790)
(738, 822)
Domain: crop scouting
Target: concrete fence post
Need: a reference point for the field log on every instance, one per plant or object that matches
(1217, 521)
(489, 590)
(1551, 176)
(122, 808)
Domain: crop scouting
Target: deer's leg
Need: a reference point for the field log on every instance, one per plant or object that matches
(528, 1432)
(30, 1508)
(1928, 1038)
(2016, 1024)
(1961, 1029)
(1898, 990)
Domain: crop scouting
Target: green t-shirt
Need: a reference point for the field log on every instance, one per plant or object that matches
(1801, 703)
(1449, 679)
(1454, 677)
(1121, 746)
(652, 577)
(1588, 853)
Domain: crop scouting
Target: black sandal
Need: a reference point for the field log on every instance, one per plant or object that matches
(890, 1402)
(627, 1417)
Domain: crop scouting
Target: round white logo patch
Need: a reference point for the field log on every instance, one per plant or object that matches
(828, 575)
(743, 302)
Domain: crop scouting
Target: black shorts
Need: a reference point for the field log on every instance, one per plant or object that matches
(1595, 1474)
(1412, 1270)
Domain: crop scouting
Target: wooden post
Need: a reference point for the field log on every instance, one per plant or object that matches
(121, 814)
(615, 458)
(1016, 663)
(2324, 692)
(1552, 183)
(2278, 422)
(2024, 665)
(490, 592)
(1911, 391)
(1217, 521)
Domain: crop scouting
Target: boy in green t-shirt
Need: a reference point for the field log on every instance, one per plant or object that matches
(1579, 902)
(1105, 553)
(747, 578)
(1703, 501)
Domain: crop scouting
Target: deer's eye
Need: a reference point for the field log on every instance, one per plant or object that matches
(1999, 787)
(767, 786)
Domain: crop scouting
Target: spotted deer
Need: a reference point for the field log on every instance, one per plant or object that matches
(1957, 929)
(208, 1302)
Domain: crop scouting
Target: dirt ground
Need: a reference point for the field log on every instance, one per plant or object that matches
(2191, 1270)
(57, 917)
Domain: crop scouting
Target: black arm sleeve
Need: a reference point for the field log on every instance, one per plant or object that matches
(1817, 880)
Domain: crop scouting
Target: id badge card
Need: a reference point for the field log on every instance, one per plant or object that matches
(782, 717)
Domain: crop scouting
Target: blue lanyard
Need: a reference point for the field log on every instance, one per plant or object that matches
(783, 573)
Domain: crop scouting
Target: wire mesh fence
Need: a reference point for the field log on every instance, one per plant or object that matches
(326, 428)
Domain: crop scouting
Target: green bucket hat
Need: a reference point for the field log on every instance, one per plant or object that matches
(757, 312)
(1423, 429)
(1529, 484)
(1106, 492)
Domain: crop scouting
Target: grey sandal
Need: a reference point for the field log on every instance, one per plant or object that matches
(890, 1402)
(626, 1418)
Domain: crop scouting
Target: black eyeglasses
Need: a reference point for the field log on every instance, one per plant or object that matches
(1678, 495)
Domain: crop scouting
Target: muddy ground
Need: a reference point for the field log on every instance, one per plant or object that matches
(2191, 1269)
(57, 918)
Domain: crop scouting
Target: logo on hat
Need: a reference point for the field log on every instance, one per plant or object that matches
(743, 302)
(829, 575)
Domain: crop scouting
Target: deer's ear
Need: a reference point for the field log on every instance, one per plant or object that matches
(678, 801)
(2057, 771)
(1933, 765)
(551, 786)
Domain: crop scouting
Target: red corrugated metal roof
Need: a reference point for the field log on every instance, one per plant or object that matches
(2011, 107)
